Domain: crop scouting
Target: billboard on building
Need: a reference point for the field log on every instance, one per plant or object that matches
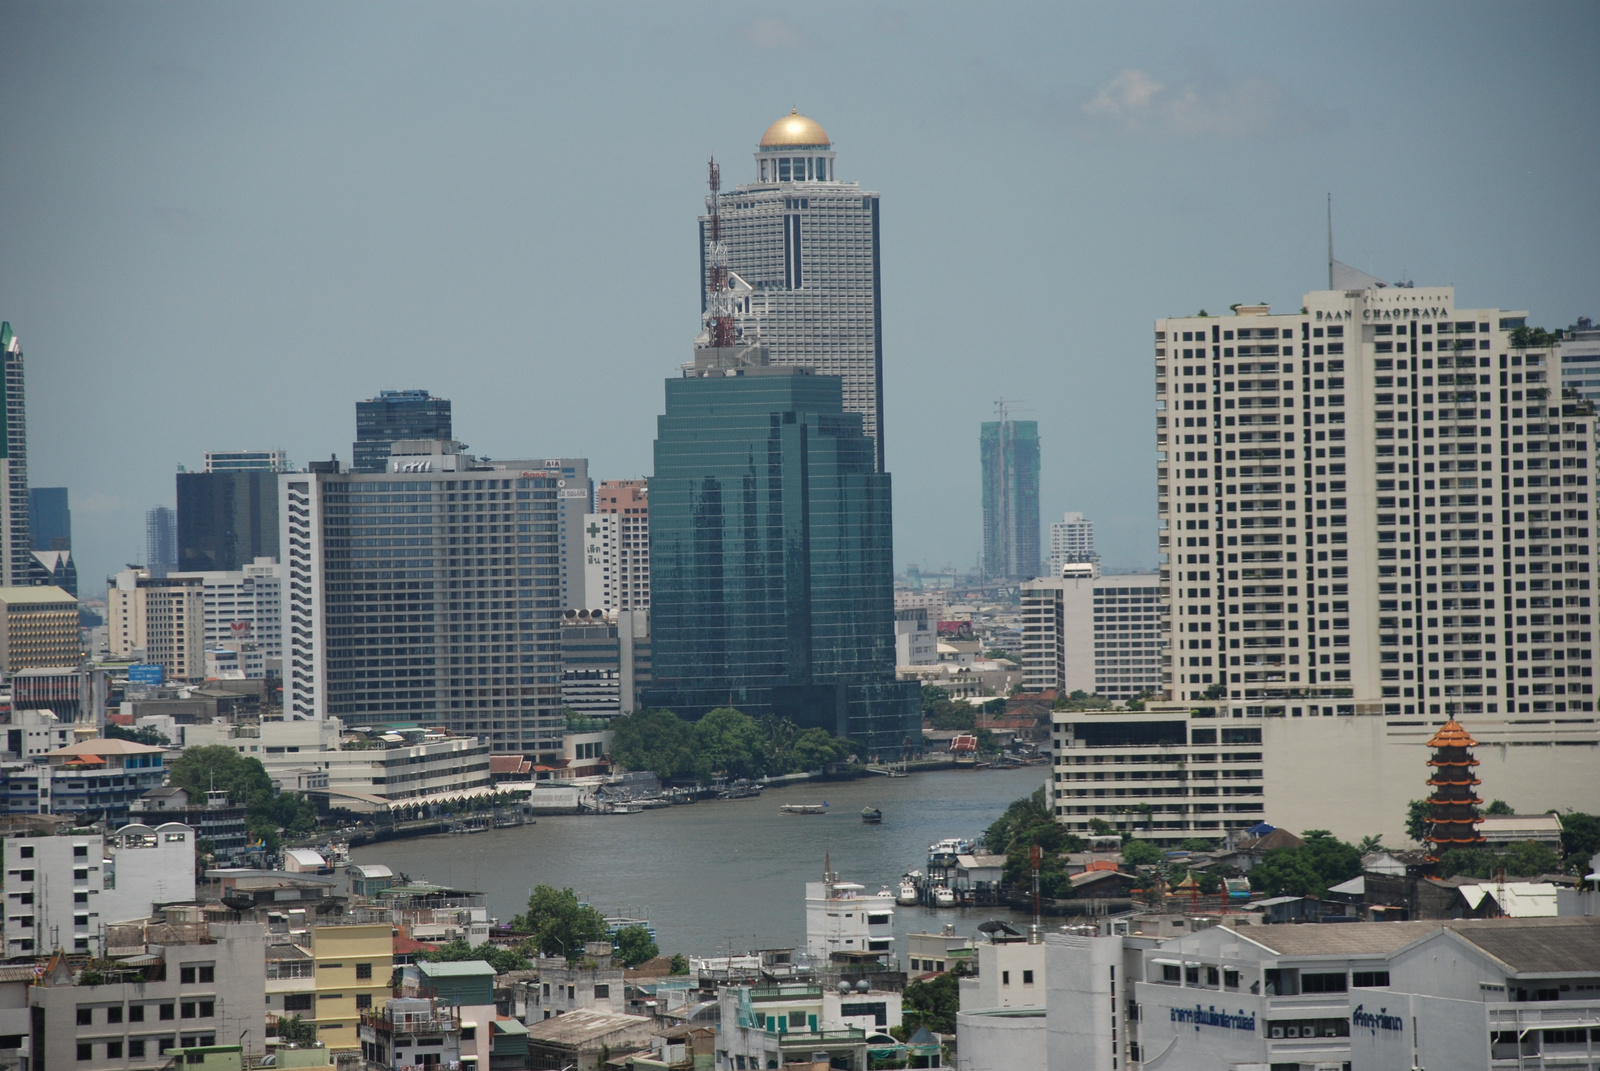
(145, 673)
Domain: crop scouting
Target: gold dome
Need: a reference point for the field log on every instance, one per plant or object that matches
(794, 130)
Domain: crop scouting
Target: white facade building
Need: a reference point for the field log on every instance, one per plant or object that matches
(146, 866)
(1580, 359)
(841, 917)
(916, 638)
(1322, 455)
(1071, 540)
(246, 461)
(243, 604)
(802, 248)
(616, 548)
(1081, 631)
(429, 593)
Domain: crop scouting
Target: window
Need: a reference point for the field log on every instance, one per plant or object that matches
(602, 992)
(85, 1016)
(1322, 983)
(85, 1050)
(363, 972)
(1027, 977)
(113, 1050)
(26, 852)
(1369, 979)
(114, 1014)
(186, 976)
(188, 1009)
(363, 1001)
(297, 1002)
(1169, 972)
(1005, 977)
(208, 1008)
(136, 1013)
(80, 851)
(208, 973)
(136, 1049)
(1230, 978)
(797, 1020)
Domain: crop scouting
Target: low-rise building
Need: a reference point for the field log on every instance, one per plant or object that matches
(411, 1032)
(777, 1025)
(585, 1040)
(178, 981)
(841, 919)
(353, 961)
(605, 660)
(103, 777)
(565, 987)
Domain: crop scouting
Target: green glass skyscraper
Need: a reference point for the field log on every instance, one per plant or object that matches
(1010, 453)
(771, 554)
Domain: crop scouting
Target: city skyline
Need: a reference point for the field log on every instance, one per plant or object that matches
(279, 218)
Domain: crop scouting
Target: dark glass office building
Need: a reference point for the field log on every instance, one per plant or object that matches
(394, 415)
(1010, 453)
(226, 519)
(49, 519)
(771, 555)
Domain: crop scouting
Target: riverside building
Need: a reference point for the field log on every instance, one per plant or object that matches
(1375, 516)
(430, 593)
(802, 250)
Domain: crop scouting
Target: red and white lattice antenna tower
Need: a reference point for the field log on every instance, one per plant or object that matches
(719, 298)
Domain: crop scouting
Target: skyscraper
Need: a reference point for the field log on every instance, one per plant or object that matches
(1010, 454)
(771, 553)
(1378, 504)
(438, 602)
(49, 518)
(395, 415)
(161, 541)
(16, 549)
(1071, 540)
(616, 549)
(227, 519)
(802, 250)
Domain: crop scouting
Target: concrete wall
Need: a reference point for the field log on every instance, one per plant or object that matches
(1001, 1039)
(1087, 993)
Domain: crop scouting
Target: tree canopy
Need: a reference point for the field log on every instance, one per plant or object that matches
(458, 951)
(932, 1004)
(1026, 822)
(636, 946)
(1309, 870)
(725, 742)
(245, 780)
(557, 924)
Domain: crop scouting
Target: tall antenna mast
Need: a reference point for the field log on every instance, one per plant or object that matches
(1330, 241)
(719, 300)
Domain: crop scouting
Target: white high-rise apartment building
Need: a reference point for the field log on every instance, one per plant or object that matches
(1071, 540)
(1377, 505)
(427, 593)
(802, 248)
(616, 547)
(1099, 634)
(243, 604)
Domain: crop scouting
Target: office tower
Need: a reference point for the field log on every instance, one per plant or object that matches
(1071, 541)
(159, 619)
(49, 519)
(54, 568)
(1339, 441)
(161, 540)
(771, 568)
(227, 518)
(605, 661)
(242, 605)
(437, 602)
(1098, 634)
(38, 628)
(616, 549)
(1010, 454)
(16, 557)
(801, 248)
(247, 461)
(394, 415)
(1580, 359)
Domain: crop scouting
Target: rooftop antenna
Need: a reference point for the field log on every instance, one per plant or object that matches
(719, 301)
(1330, 241)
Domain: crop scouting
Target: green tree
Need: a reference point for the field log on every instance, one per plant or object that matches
(655, 740)
(296, 1031)
(1499, 807)
(200, 769)
(1419, 815)
(501, 959)
(557, 924)
(1529, 860)
(730, 742)
(1141, 853)
(1198, 844)
(781, 735)
(1468, 862)
(146, 735)
(1580, 836)
(1373, 843)
(635, 945)
(932, 1004)
(816, 748)
(1309, 870)
(679, 963)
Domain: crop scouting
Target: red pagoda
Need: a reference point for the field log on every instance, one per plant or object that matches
(1454, 820)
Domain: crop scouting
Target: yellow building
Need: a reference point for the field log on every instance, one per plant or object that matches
(38, 629)
(353, 967)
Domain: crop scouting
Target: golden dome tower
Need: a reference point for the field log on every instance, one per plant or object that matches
(795, 149)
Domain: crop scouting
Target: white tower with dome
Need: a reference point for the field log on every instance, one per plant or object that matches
(802, 250)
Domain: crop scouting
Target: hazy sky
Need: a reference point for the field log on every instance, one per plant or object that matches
(222, 224)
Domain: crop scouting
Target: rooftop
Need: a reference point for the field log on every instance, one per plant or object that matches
(43, 594)
(467, 968)
(1349, 939)
(795, 130)
(577, 1027)
(1534, 946)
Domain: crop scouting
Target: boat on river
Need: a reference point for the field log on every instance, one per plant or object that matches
(871, 815)
(908, 891)
(805, 808)
(943, 897)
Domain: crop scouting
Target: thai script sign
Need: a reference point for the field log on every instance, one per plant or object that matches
(1198, 1017)
(1376, 1021)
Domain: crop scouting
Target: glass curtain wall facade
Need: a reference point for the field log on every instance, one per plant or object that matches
(226, 520)
(1010, 454)
(16, 551)
(771, 558)
(394, 415)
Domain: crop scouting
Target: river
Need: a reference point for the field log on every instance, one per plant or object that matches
(727, 875)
